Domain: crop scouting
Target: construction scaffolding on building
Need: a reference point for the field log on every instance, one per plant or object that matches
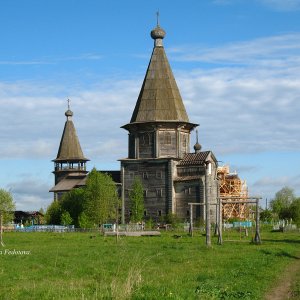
(231, 186)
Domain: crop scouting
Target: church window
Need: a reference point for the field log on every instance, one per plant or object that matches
(159, 192)
(168, 139)
(145, 193)
(187, 190)
(145, 139)
(184, 141)
(159, 174)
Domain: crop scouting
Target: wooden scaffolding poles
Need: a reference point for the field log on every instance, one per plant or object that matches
(232, 187)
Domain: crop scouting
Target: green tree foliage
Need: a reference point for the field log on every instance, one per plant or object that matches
(73, 202)
(266, 215)
(65, 218)
(282, 201)
(136, 197)
(286, 206)
(84, 221)
(295, 209)
(7, 207)
(53, 214)
(100, 198)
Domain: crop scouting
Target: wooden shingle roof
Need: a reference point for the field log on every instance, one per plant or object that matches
(69, 148)
(159, 98)
(70, 182)
(194, 158)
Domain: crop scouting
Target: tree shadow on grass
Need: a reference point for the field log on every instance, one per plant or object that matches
(290, 241)
(280, 254)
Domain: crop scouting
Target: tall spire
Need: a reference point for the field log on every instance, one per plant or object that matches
(159, 98)
(69, 148)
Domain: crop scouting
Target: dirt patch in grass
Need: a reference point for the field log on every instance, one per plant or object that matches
(287, 286)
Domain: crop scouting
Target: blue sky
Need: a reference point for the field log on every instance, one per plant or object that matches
(236, 62)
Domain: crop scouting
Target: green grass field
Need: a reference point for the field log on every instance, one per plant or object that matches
(90, 266)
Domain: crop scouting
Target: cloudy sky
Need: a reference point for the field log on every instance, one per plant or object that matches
(236, 62)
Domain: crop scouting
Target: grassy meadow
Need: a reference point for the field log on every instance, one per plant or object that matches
(91, 266)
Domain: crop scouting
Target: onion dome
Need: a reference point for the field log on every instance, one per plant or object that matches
(68, 113)
(197, 147)
(158, 33)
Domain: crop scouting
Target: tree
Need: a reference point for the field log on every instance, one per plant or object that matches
(73, 202)
(84, 221)
(282, 201)
(295, 209)
(136, 197)
(65, 218)
(100, 197)
(7, 207)
(266, 215)
(53, 213)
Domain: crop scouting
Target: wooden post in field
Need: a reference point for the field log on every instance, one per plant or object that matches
(257, 234)
(123, 196)
(220, 221)
(207, 207)
(191, 220)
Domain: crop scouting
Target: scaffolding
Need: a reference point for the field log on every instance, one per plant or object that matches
(232, 187)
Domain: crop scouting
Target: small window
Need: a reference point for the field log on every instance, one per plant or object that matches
(184, 141)
(145, 139)
(187, 213)
(159, 213)
(145, 213)
(159, 192)
(168, 139)
(145, 193)
(145, 175)
(188, 190)
(159, 174)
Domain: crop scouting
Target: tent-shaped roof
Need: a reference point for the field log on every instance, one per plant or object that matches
(69, 148)
(159, 98)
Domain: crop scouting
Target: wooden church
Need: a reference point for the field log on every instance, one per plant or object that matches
(158, 150)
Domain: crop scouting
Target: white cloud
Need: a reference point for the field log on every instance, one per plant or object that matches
(269, 52)
(269, 185)
(30, 193)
